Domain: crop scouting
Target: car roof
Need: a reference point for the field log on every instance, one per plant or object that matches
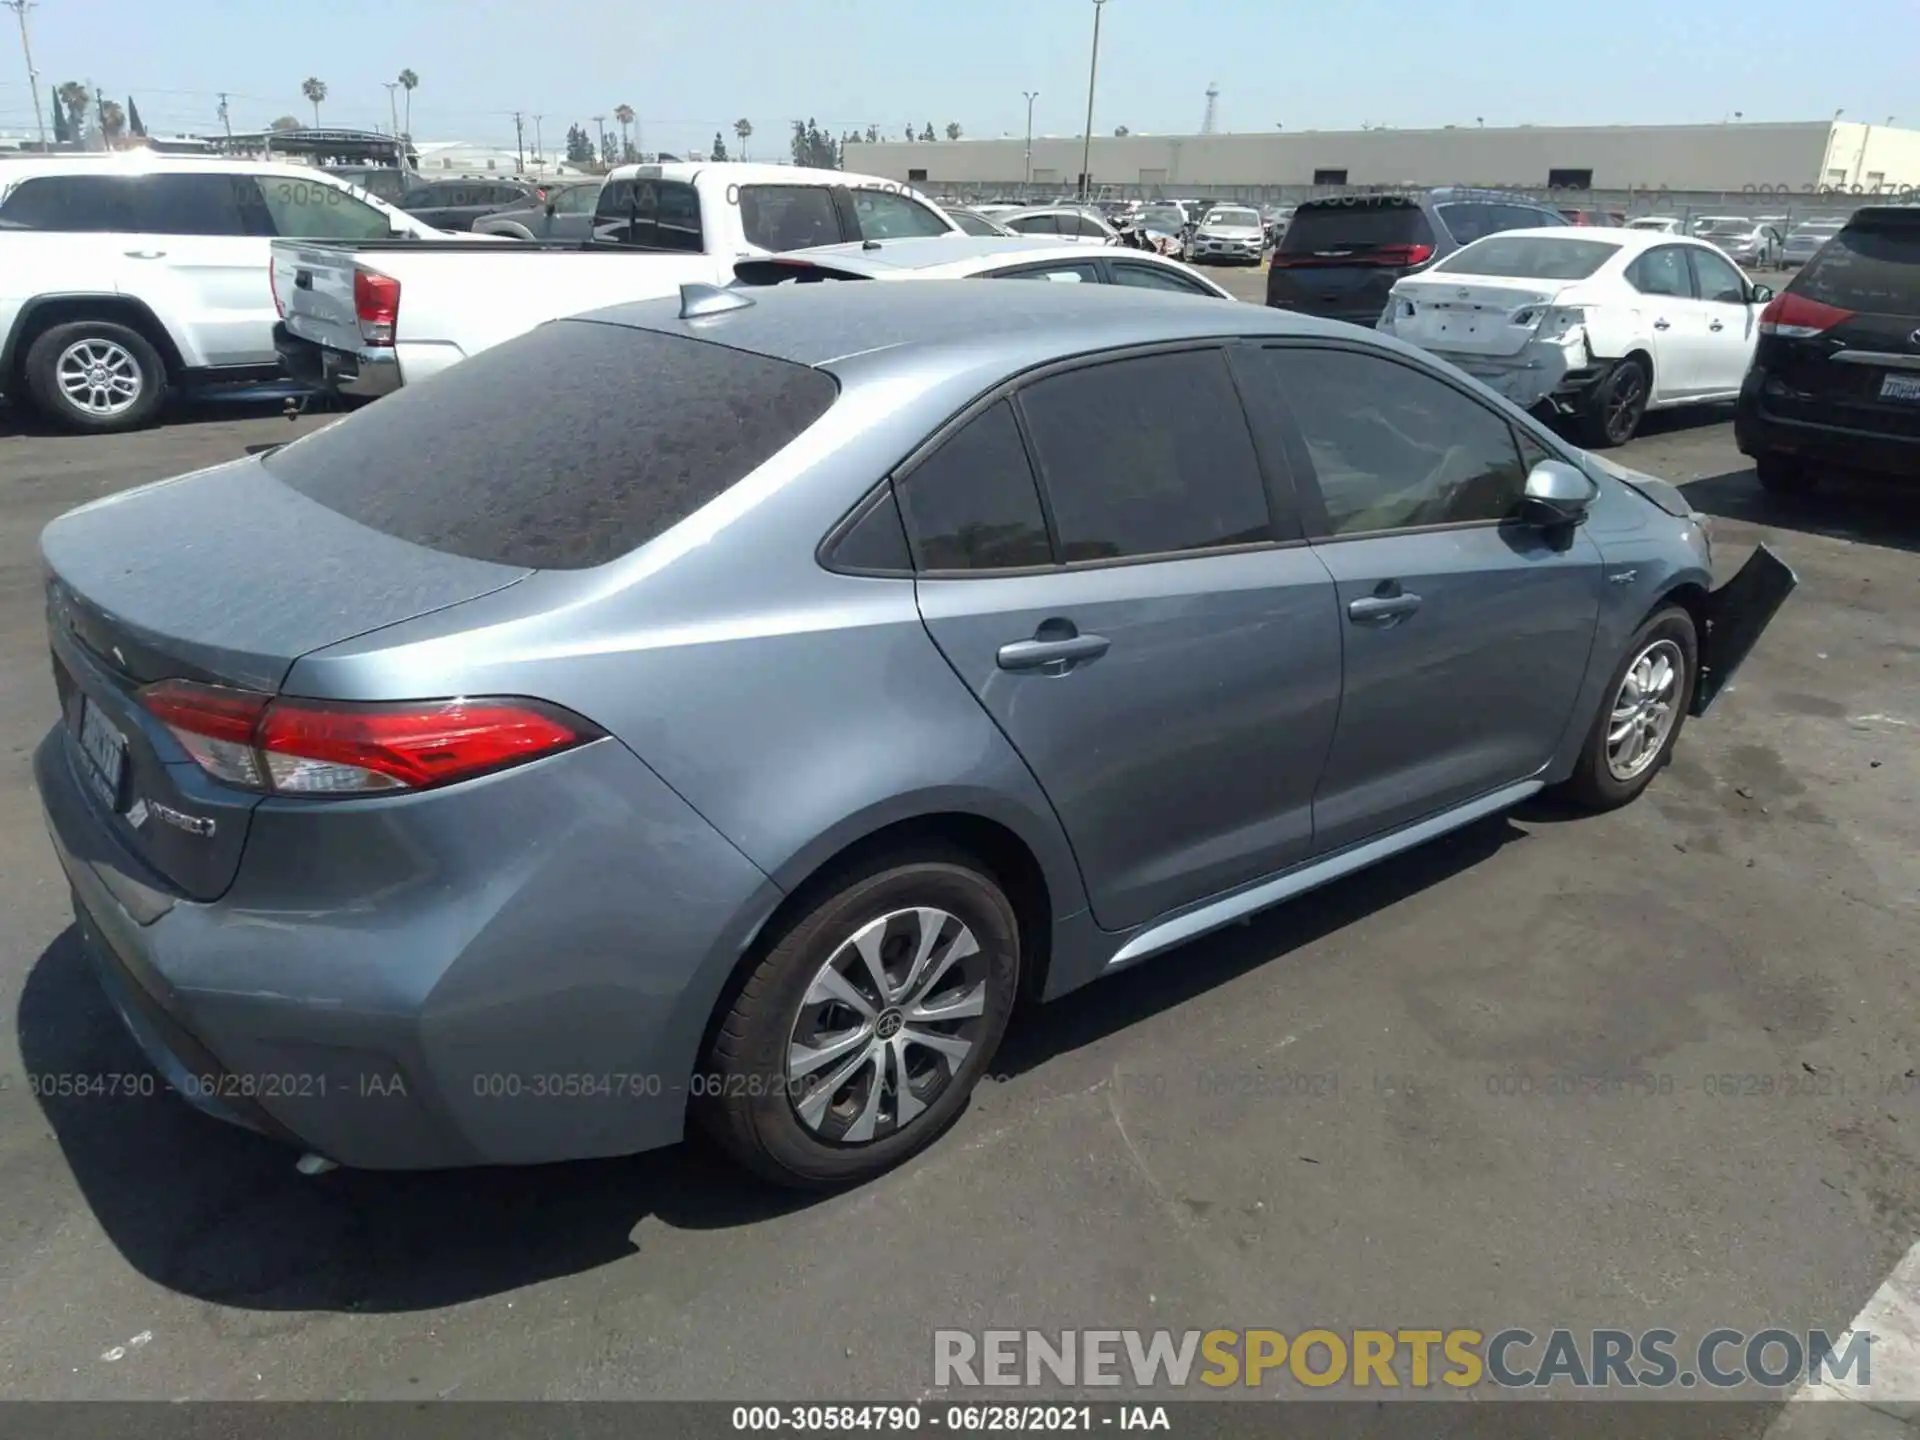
(823, 325)
(745, 172)
(928, 252)
(1618, 236)
(151, 162)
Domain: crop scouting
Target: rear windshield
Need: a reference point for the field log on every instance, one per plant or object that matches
(1364, 226)
(1870, 268)
(1233, 217)
(789, 217)
(1530, 258)
(562, 449)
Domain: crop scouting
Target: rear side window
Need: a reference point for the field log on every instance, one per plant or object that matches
(887, 216)
(211, 204)
(1530, 258)
(1146, 457)
(650, 215)
(309, 210)
(519, 456)
(70, 203)
(972, 505)
(1355, 227)
(1662, 271)
(1035, 225)
(788, 217)
(1875, 269)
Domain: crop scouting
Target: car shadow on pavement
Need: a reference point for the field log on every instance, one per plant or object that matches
(220, 1213)
(1842, 507)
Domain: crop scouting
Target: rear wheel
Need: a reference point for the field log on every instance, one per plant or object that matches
(1646, 705)
(1782, 475)
(861, 1031)
(95, 375)
(1614, 407)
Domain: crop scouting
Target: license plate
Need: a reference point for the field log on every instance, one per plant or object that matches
(1900, 387)
(103, 754)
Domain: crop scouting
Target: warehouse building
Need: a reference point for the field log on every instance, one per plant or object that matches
(1785, 160)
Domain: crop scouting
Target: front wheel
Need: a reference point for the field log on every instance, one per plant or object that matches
(861, 1031)
(1615, 406)
(93, 375)
(1646, 704)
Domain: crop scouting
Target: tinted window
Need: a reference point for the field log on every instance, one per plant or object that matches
(70, 203)
(789, 217)
(576, 200)
(973, 224)
(1532, 452)
(1146, 456)
(1662, 272)
(563, 448)
(212, 204)
(1355, 227)
(650, 215)
(1718, 280)
(1035, 225)
(972, 505)
(1529, 217)
(1082, 274)
(1154, 277)
(1393, 448)
(1471, 220)
(875, 541)
(886, 216)
(1530, 258)
(1083, 225)
(1874, 269)
(309, 210)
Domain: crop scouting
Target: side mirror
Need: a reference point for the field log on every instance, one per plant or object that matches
(1760, 295)
(1557, 494)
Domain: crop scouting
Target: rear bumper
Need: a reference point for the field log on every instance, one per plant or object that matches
(1542, 372)
(1759, 432)
(366, 373)
(523, 975)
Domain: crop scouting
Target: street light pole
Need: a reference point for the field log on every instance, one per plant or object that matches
(20, 8)
(1032, 95)
(1093, 72)
(393, 113)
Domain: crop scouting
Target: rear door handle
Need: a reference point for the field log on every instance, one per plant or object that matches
(1037, 654)
(146, 254)
(1661, 325)
(1717, 325)
(1374, 609)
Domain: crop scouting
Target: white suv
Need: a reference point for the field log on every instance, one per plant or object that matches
(124, 274)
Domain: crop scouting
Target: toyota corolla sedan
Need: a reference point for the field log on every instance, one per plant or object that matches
(724, 708)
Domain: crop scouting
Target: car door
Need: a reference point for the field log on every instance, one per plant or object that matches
(1733, 323)
(206, 235)
(1144, 624)
(572, 217)
(1466, 634)
(1676, 321)
(72, 229)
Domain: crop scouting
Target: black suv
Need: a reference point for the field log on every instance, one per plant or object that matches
(1340, 256)
(1835, 379)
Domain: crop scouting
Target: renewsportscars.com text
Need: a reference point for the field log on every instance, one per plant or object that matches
(1399, 1359)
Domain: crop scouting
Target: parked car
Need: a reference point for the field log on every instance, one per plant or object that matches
(124, 275)
(1599, 328)
(1744, 239)
(1024, 257)
(387, 182)
(1341, 256)
(564, 213)
(1657, 224)
(1835, 382)
(974, 222)
(456, 204)
(364, 319)
(1231, 233)
(1275, 218)
(1803, 242)
(1063, 222)
(826, 708)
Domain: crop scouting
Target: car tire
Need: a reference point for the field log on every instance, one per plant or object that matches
(800, 1121)
(1608, 773)
(1782, 475)
(1611, 413)
(79, 376)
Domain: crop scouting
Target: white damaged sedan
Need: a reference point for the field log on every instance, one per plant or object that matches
(1599, 327)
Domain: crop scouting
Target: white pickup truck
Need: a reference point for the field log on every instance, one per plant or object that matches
(364, 318)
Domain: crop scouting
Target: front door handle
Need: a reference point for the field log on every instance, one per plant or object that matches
(1039, 654)
(146, 254)
(1375, 609)
(1661, 325)
(1717, 325)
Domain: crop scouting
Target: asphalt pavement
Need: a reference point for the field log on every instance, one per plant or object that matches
(1418, 1097)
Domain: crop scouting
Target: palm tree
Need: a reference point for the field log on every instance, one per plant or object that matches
(624, 114)
(315, 91)
(113, 120)
(408, 80)
(76, 98)
(953, 129)
(744, 130)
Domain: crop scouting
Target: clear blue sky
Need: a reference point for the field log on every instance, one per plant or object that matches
(690, 69)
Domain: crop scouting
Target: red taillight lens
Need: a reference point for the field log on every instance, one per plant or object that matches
(1402, 255)
(1384, 255)
(376, 301)
(1799, 318)
(318, 747)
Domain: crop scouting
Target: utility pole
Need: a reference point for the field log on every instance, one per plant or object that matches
(1032, 95)
(519, 146)
(226, 116)
(393, 111)
(20, 8)
(1093, 73)
(99, 114)
(600, 138)
(539, 146)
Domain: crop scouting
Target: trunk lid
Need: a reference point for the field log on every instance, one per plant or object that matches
(1472, 316)
(223, 576)
(313, 286)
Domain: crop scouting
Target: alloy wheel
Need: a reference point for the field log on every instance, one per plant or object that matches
(99, 377)
(1626, 398)
(1644, 709)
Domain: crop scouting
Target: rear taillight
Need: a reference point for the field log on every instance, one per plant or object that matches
(1402, 255)
(1798, 318)
(290, 746)
(376, 301)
